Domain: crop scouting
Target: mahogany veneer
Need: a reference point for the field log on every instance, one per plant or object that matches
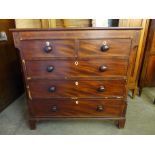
(76, 72)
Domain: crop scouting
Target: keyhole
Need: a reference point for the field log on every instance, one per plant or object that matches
(76, 63)
(76, 83)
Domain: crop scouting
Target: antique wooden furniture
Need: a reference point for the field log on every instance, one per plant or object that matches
(148, 70)
(76, 72)
(11, 85)
(139, 52)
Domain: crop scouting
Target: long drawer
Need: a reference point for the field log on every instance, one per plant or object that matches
(80, 108)
(104, 47)
(66, 48)
(63, 68)
(81, 88)
(48, 48)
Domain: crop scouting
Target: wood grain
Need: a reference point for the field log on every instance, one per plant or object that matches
(147, 78)
(91, 48)
(150, 73)
(68, 68)
(76, 87)
(70, 108)
(89, 88)
(60, 48)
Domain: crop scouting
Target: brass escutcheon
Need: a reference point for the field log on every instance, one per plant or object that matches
(76, 83)
(76, 63)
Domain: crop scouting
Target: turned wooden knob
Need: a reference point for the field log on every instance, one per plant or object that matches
(50, 68)
(48, 49)
(54, 108)
(99, 108)
(101, 89)
(52, 89)
(104, 48)
(102, 68)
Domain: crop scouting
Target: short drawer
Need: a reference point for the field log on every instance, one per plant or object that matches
(77, 108)
(104, 47)
(48, 48)
(81, 88)
(89, 68)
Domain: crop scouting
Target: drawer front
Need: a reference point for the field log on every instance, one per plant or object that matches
(102, 67)
(102, 48)
(80, 108)
(81, 88)
(51, 68)
(90, 68)
(48, 48)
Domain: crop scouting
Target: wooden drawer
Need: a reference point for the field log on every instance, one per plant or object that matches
(97, 47)
(77, 108)
(48, 48)
(102, 67)
(63, 68)
(81, 88)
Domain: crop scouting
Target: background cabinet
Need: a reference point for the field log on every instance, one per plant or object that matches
(11, 85)
(148, 69)
(139, 52)
(52, 23)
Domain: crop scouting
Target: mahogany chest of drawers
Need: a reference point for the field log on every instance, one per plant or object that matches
(76, 72)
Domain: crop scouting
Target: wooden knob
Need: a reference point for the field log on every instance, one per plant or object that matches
(99, 108)
(104, 48)
(102, 68)
(54, 108)
(48, 49)
(50, 68)
(52, 89)
(101, 89)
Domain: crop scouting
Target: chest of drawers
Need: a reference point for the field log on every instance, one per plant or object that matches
(76, 72)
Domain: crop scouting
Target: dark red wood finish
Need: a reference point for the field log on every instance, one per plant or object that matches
(80, 88)
(81, 68)
(92, 48)
(77, 108)
(76, 73)
(36, 48)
